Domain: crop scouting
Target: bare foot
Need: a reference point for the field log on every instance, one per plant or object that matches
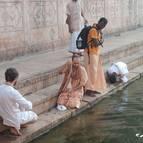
(15, 132)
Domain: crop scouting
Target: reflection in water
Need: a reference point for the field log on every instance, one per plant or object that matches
(124, 100)
(116, 119)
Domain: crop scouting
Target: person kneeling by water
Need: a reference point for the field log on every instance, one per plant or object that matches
(76, 76)
(118, 72)
(14, 108)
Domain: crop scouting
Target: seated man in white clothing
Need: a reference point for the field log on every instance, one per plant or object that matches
(118, 72)
(14, 108)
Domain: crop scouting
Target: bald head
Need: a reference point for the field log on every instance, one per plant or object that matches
(75, 60)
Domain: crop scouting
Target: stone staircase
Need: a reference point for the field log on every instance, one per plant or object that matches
(39, 80)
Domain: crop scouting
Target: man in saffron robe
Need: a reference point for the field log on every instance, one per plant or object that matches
(72, 88)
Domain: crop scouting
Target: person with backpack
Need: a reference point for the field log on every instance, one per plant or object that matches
(74, 17)
(96, 83)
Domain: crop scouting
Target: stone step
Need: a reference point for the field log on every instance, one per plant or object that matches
(40, 70)
(45, 99)
(49, 120)
(49, 77)
(121, 51)
(133, 60)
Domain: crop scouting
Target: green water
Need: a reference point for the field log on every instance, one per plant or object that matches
(117, 119)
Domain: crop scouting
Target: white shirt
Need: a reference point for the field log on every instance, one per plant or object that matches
(11, 104)
(119, 68)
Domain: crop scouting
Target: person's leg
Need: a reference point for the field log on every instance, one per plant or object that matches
(15, 132)
(27, 117)
(72, 44)
(91, 69)
(62, 100)
(75, 99)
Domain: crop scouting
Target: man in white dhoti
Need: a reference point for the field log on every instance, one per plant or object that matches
(118, 72)
(14, 108)
(74, 13)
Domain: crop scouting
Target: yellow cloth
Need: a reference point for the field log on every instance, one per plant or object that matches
(96, 78)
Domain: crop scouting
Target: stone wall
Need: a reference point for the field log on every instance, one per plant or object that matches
(122, 14)
(34, 25)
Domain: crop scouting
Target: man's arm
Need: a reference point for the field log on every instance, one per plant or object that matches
(22, 102)
(68, 13)
(68, 19)
(64, 68)
(82, 14)
(96, 42)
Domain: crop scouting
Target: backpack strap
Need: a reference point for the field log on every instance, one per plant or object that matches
(88, 48)
(101, 39)
(88, 55)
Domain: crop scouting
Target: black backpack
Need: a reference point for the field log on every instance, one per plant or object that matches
(81, 41)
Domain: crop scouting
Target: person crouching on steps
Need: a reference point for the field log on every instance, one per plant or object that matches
(72, 88)
(14, 108)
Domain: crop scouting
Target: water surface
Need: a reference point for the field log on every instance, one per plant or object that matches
(116, 119)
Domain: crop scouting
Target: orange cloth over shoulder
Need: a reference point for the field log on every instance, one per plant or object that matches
(93, 33)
